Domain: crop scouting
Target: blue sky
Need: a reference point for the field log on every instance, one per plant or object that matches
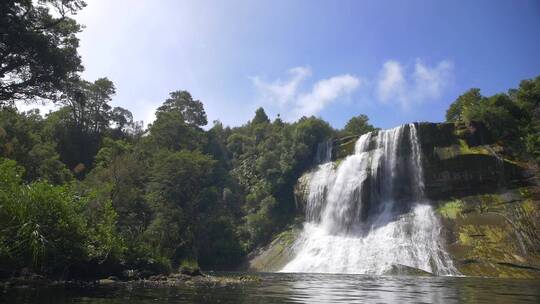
(396, 61)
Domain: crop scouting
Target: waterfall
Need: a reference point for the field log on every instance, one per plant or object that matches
(369, 213)
(324, 152)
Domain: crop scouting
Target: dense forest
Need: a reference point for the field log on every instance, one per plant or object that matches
(85, 190)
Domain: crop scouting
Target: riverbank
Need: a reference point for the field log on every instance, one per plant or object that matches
(36, 281)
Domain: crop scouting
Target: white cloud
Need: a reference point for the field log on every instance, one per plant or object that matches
(325, 92)
(423, 84)
(430, 82)
(280, 91)
(285, 94)
(391, 81)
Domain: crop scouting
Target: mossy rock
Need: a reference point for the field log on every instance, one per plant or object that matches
(189, 267)
(496, 235)
(275, 255)
(451, 209)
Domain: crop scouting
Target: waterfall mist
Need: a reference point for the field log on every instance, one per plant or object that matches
(368, 213)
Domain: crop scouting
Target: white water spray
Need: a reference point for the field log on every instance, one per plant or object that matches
(369, 213)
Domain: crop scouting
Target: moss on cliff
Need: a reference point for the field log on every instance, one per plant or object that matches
(493, 234)
(275, 255)
(451, 209)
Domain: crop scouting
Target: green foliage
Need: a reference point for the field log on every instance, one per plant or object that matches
(169, 131)
(513, 119)
(496, 113)
(260, 117)
(176, 181)
(146, 199)
(468, 99)
(267, 159)
(42, 226)
(80, 126)
(181, 102)
(220, 247)
(38, 48)
(44, 162)
(178, 122)
(357, 125)
(260, 225)
(23, 139)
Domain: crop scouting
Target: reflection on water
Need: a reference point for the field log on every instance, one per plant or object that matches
(305, 288)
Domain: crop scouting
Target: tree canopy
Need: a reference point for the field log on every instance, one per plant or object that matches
(358, 125)
(513, 119)
(38, 47)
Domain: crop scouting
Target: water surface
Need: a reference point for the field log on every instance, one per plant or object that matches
(304, 288)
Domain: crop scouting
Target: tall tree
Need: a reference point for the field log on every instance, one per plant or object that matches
(38, 48)
(191, 110)
(178, 123)
(260, 117)
(358, 125)
(468, 99)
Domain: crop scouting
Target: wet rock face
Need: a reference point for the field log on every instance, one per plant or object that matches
(457, 160)
(461, 161)
(468, 174)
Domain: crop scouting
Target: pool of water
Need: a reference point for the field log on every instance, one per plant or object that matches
(303, 288)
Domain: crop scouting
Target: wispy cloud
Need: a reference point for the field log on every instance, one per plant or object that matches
(396, 84)
(325, 92)
(279, 91)
(391, 82)
(286, 94)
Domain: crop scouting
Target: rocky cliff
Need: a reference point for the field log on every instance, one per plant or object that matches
(489, 205)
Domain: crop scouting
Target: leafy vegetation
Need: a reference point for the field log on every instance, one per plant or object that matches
(512, 119)
(150, 200)
(38, 48)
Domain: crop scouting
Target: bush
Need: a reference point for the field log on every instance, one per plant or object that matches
(41, 226)
(49, 228)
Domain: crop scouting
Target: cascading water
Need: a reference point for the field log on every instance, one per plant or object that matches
(368, 213)
(324, 152)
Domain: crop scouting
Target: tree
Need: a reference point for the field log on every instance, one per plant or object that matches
(98, 96)
(81, 124)
(357, 125)
(121, 118)
(38, 48)
(512, 119)
(178, 122)
(171, 132)
(496, 113)
(176, 181)
(527, 97)
(192, 111)
(88, 103)
(120, 175)
(468, 99)
(24, 138)
(50, 228)
(260, 117)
